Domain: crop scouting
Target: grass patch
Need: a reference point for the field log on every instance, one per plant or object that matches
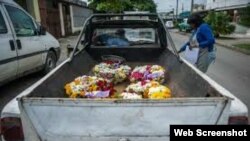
(226, 38)
(243, 46)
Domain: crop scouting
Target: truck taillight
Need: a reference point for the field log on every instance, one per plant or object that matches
(238, 120)
(11, 129)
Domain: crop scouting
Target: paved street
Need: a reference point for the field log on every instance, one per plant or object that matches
(231, 69)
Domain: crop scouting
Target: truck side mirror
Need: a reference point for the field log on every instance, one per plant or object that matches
(42, 30)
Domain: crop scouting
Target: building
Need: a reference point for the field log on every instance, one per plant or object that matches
(166, 16)
(226, 4)
(60, 17)
(198, 7)
(184, 14)
(230, 6)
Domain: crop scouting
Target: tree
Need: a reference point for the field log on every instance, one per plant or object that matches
(144, 5)
(245, 16)
(220, 23)
(118, 6)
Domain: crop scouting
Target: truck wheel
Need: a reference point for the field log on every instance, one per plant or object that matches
(50, 62)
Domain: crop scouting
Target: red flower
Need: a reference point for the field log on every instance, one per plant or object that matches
(143, 82)
(100, 83)
(109, 62)
(137, 75)
(148, 68)
(112, 92)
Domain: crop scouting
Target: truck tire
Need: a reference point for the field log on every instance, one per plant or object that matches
(50, 62)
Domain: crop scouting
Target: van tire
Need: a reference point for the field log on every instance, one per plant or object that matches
(50, 62)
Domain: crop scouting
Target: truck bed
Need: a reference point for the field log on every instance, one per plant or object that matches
(120, 87)
(181, 79)
(49, 115)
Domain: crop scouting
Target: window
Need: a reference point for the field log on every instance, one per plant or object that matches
(3, 28)
(22, 23)
(124, 37)
(52, 4)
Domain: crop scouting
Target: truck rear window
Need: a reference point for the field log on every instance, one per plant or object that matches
(124, 37)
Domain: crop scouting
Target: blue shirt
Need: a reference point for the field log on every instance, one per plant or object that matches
(117, 42)
(204, 37)
(113, 41)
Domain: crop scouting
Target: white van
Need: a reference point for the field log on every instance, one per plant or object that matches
(169, 24)
(25, 46)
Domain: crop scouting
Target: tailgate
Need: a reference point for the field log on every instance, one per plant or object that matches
(109, 120)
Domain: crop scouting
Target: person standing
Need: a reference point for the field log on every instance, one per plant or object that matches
(202, 38)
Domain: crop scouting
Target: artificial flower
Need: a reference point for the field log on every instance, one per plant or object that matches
(113, 71)
(148, 72)
(126, 95)
(149, 89)
(89, 87)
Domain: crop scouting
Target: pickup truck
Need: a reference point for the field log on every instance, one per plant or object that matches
(184, 26)
(43, 112)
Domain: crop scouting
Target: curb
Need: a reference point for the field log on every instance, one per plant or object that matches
(244, 51)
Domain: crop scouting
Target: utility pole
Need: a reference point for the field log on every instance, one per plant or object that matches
(177, 7)
(182, 7)
(173, 15)
(192, 6)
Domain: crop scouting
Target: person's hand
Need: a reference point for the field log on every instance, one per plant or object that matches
(193, 46)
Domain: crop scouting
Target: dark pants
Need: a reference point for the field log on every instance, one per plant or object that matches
(205, 59)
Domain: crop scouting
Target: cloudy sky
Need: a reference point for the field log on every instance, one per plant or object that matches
(168, 5)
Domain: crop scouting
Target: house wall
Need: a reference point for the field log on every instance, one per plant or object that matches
(61, 19)
(32, 7)
(36, 10)
(51, 14)
(78, 16)
(214, 4)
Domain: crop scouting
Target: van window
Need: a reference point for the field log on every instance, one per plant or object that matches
(23, 24)
(3, 28)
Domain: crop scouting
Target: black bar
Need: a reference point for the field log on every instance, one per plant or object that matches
(136, 14)
(210, 132)
(12, 46)
(19, 44)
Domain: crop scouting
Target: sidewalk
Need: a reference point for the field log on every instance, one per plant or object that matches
(64, 42)
(230, 43)
(227, 42)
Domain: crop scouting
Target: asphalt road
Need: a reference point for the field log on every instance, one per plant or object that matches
(231, 69)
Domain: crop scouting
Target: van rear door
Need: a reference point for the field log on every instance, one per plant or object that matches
(8, 53)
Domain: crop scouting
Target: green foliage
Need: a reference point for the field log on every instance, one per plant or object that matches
(220, 23)
(243, 46)
(245, 16)
(118, 6)
(144, 5)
